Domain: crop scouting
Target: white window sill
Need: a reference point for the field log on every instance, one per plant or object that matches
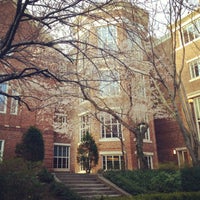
(109, 140)
(194, 79)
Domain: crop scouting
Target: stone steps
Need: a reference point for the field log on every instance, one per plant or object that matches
(89, 185)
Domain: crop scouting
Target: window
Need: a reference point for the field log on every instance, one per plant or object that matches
(110, 127)
(183, 157)
(112, 162)
(84, 125)
(195, 68)
(3, 99)
(141, 85)
(14, 103)
(60, 120)
(107, 37)
(147, 135)
(109, 83)
(61, 156)
(191, 31)
(1, 149)
(197, 113)
(149, 159)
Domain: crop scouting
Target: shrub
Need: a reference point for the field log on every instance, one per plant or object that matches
(147, 181)
(32, 146)
(165, 181)
(45, 176)
(190, 178)
(15, 177)
(88, 152)
(170, 196)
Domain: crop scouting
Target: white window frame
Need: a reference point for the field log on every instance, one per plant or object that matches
(60, 120)
(1, 149)
(107, 37)
(142, 88)
(191, 31)
(109, 125)
(105, 161)
(195, 65)
(3, 99)
(60, 160)
(197, 114)
(149, 157)
(109, 83)
(147, 135)
(84, 124)
(14, 103)
(181, 156)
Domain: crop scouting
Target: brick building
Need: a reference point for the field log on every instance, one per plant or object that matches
(170, 143)
(15, 117)
(112, 85)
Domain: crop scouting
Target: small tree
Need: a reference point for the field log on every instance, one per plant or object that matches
(88, 153)
(32, 146)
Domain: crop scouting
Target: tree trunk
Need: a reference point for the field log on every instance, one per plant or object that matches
(139, 148)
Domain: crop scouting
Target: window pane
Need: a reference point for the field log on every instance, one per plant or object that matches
(109, 84)
(61, 157)
(107, 37)
(185, 35)
(109, 162)
(110, 127)
(195, 68)
(14, 103)
(84, 125)
(116, 162)
(3, 99)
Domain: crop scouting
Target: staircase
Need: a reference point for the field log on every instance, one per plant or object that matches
(90, 186)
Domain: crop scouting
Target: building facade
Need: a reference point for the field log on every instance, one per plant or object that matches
(111, 98)
(114, 89)
(171, 145)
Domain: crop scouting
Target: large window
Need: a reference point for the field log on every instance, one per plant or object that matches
(149, 160)
(61, 157)
(191, 31)
(197, 113)
(195, 68)
(112, 162)
(147, 135)
(1, 149)
(60, 120)
(183, 157)
(14, 103)
(3, 99)
(109, 84)
(107, 37)
(110, 127)
(84, 125)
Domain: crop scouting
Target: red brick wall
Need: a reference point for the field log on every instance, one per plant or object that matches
(168, 138)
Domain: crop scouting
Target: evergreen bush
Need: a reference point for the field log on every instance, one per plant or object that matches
(45, 176)
(17, 182)
(190, 179)
(32, 146)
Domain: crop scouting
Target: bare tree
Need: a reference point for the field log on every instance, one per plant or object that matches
(168, 69)
(33, 50)
(65, 35)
